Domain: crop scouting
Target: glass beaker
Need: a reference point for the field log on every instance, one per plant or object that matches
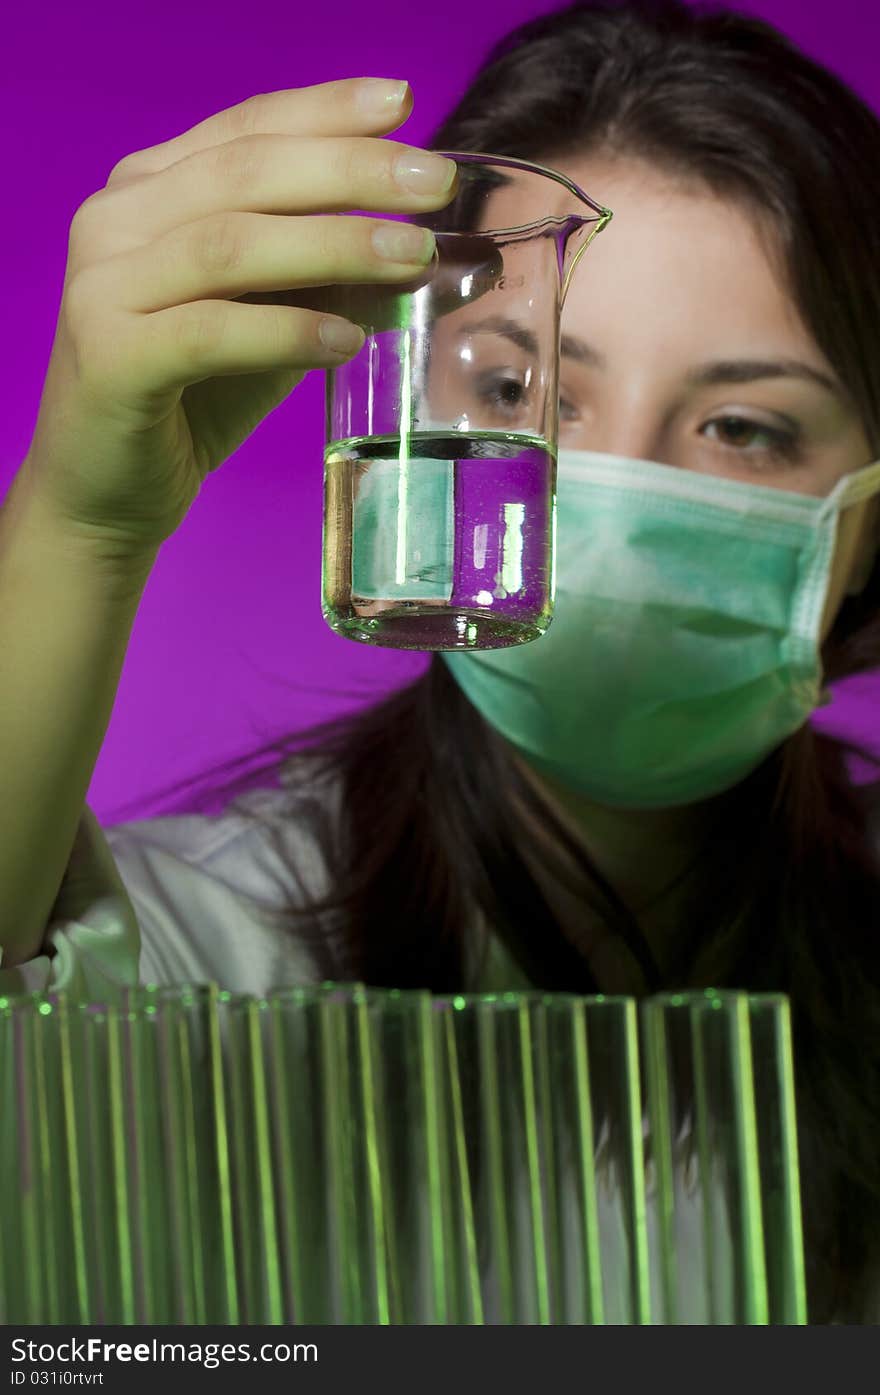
(440, 462)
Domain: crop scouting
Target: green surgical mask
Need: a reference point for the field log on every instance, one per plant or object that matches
(685, 640)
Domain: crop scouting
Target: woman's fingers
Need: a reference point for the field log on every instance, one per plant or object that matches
(367, 105)
(231, 254)
(263, 174)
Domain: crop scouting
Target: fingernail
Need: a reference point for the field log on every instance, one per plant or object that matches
(424, 174)
(376, 96)
(341, 336)
(403, 242)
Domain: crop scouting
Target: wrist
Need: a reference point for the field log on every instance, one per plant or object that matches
(25, 511)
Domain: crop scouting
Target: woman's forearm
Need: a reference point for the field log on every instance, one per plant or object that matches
(66, 612)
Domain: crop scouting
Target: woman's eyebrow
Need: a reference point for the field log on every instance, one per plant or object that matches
(714, 374)
(721, 371)
(526, 340)
(581, 352)
(752, 370)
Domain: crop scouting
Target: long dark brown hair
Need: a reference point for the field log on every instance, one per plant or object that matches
(785, 894)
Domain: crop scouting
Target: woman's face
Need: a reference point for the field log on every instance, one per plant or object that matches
(680, 344)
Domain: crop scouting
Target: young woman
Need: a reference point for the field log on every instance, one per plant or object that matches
(638, 800)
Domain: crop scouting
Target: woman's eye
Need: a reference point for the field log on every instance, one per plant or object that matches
(503, 391)
(753, 437)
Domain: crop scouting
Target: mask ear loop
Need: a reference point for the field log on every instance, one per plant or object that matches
(855, 492)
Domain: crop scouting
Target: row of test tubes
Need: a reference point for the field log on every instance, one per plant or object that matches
(339, 1154)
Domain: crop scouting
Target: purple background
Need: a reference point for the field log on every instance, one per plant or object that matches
(229, 647)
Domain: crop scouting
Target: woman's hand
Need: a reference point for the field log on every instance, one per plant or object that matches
(165, 357)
